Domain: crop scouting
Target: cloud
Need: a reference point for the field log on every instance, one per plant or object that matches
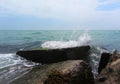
(60, 9)
(109, 2)
(74, 11)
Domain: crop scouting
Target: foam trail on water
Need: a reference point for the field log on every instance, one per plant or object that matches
(8, 60)
(84, 39)
(11, 59)
(12, 66)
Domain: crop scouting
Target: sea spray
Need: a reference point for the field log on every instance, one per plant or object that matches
(84, 39)
(95, 57)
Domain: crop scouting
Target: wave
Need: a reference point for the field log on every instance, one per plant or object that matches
(84, 39)
(12, 66)
(8, 60)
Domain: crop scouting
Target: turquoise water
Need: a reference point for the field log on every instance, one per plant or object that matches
(102, 38)
(14, 40)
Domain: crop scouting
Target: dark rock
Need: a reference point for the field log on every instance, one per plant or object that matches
(102, 79)
(56, 55)
(105, 57)
(111, 71)
(67, 72)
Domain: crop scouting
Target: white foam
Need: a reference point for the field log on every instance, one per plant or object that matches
(84, 39)
(59, 44)
(8, 60)
(5, 55)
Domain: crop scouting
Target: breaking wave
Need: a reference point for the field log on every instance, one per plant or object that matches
(12, 66)
(84, 39)
(8, 60)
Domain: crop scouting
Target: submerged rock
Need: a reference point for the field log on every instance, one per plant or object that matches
(111, 73)
(67, 72)
(56, 55)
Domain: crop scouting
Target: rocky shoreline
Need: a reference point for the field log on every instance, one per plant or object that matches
(67, 72)
(73, 71)
(111, 73)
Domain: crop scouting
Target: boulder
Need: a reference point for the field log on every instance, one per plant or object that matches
(105, 57)
(67, 72)
(111, 73)
(47, 56)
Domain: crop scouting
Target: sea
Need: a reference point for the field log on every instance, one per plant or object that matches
(13, 66)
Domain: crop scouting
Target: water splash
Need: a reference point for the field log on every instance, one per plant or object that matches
(95, 56)
(59, 44)
(84, 39)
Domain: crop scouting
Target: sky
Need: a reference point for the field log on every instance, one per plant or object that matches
(59, 14)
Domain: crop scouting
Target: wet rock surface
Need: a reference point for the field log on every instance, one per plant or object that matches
(111, 73)
(67, 72)
(47, 56)
(67, 69)
(105, 57)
